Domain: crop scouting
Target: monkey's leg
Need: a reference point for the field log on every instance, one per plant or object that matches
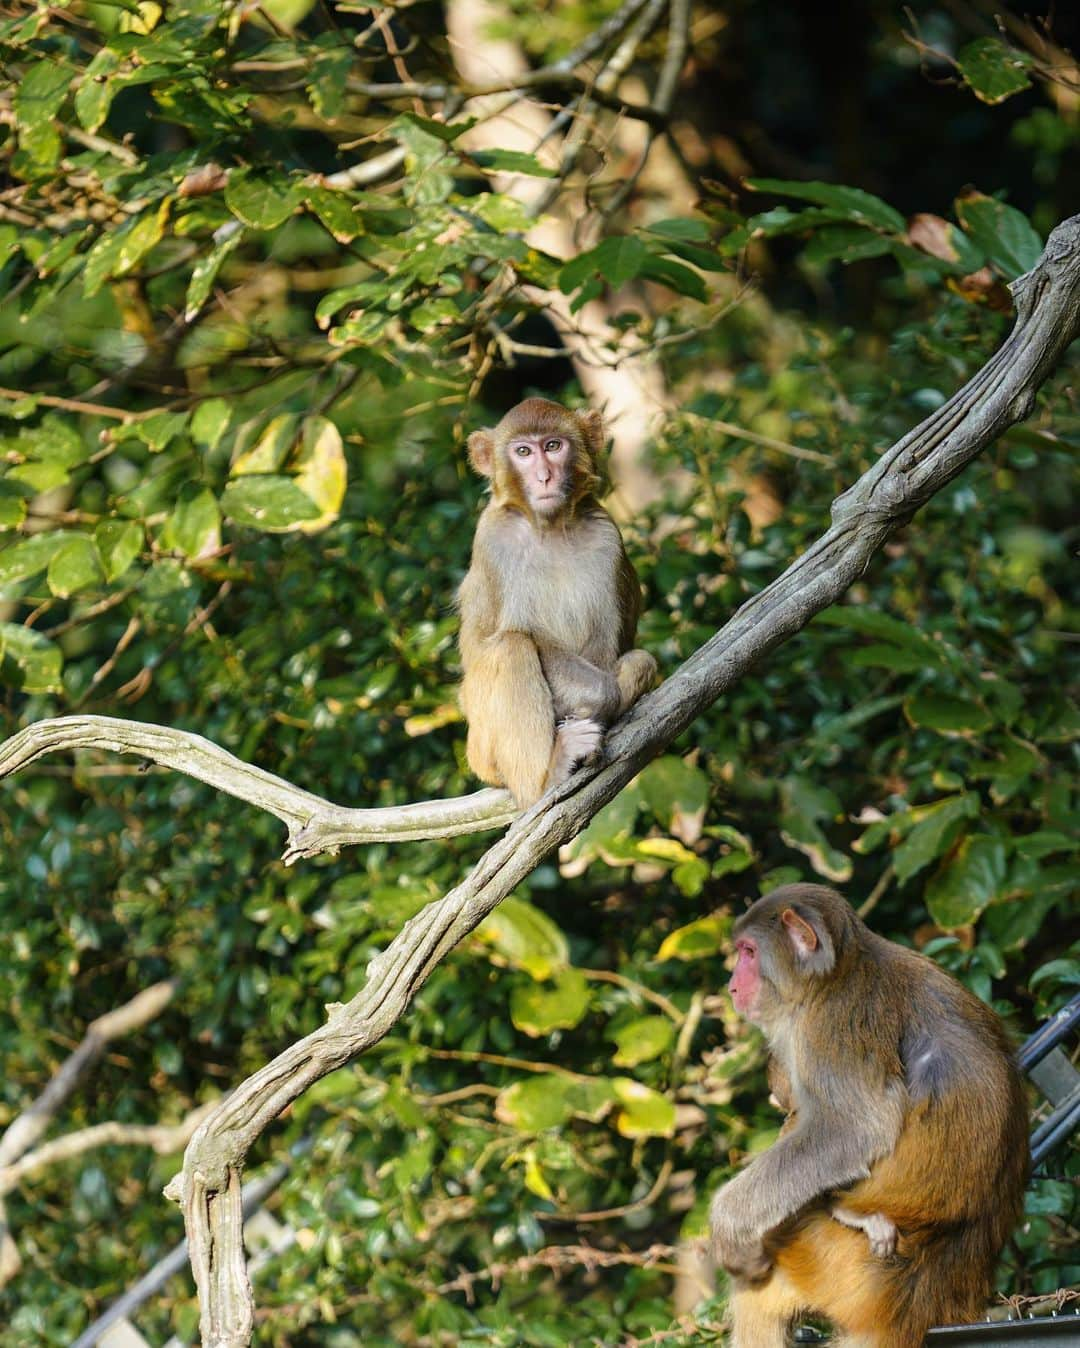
(635, 673)
(832, 1269)
(506, 699)
(762, 1313)
(580, 690)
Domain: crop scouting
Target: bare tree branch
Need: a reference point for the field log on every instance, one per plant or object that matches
(163, 1137)
(315, 825)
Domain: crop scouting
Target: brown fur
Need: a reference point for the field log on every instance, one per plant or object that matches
(906, 1103)
(549, 612)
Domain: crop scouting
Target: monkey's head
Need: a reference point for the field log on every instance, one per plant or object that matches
(541, 458)
(784, 942)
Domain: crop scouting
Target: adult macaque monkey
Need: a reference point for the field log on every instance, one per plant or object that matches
(549, 606)
(908, 1123)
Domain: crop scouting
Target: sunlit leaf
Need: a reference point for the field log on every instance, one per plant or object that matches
(524, 937)
(538, 1008)
(993, 70)
(697, 940)
(28, 660)
(645, 1112)
(642, 1040)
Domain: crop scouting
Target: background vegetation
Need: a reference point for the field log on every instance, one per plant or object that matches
(253, 301)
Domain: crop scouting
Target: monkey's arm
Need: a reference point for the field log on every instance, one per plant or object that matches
(832, 1144)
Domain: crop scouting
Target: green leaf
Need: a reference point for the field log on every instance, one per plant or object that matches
(642, 1040)
(155, 431)
(204, 274)
(947, 715)
(550, 1099)
(13, 497)
(681, 228)
(538, 1008)
(852, 202)
(263, 200)
(26, 559)
(931, 830)
(272, 448)
(318, 464)
(872, 623)
(673, 789)
(845, 243)
(697, 940)
(1003, 233)
(194, 527)
(1043, 843)
(617, 260)
(118, 543)
(75, 565)
(29, 660)
(674, 275)
(94, 96)
(120, 250)
(804, 806)
(209, 422)
(608, 836)
(40, 92)
(268, 502)
(972, 878)
(522, 936)
(1063, 971)
(645, 1112)
(55, 440)
(510, 161)
(337, 211)
(329, 76)
(993, 70)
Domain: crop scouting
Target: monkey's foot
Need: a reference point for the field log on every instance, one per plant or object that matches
(576, 741)
(879, 1230)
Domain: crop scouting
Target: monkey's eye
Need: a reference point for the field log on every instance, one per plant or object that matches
(553, 445)
(523, 450)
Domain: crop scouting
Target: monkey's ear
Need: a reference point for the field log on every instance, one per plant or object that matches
(592, 428)
(813, 947)
(482, 452)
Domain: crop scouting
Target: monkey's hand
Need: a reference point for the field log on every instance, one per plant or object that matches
(737, 1246)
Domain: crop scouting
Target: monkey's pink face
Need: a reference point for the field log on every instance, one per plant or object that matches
(542, 462)
(745, 985)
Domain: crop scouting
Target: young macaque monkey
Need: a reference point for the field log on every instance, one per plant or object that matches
(549, 606)
(907, 1122)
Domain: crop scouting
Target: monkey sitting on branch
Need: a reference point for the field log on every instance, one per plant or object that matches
(908, 1123)
(549, 607)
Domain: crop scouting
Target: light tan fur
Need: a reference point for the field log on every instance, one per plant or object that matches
(549, 611)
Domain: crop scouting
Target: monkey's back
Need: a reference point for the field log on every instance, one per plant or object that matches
(954, 1184)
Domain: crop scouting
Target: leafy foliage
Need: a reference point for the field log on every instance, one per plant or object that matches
(237, 363)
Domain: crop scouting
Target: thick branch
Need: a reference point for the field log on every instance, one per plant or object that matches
(322, 825)
(906, 476)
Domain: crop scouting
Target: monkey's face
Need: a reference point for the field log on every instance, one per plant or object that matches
(745, 984)
(543, 467)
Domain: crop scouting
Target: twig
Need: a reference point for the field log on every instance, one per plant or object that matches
(163, 1138)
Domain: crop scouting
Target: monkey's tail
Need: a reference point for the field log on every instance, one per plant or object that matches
(946, 1276)
(511, 717)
